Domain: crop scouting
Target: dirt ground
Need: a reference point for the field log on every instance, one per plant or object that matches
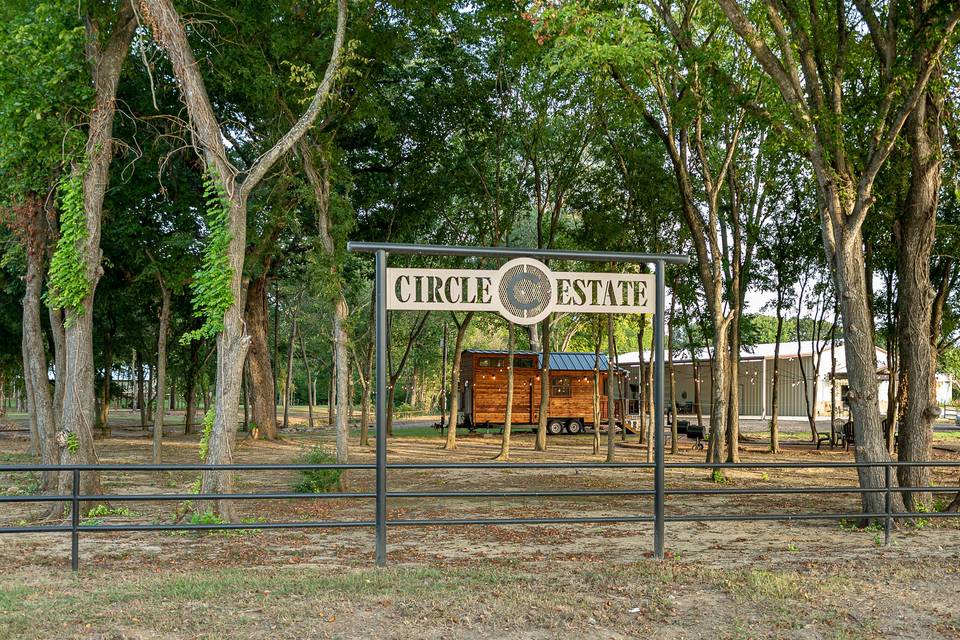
(806, 579)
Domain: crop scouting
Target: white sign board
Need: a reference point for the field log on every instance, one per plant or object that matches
(523, 290)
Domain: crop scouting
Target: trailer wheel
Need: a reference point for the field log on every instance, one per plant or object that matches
(574, 427)
(555, 427)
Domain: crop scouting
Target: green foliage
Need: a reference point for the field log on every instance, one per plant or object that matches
(102, 510)
(212, 295)
(73, 443)
(205, 436)
(587, 35)
(44, 91)
(318, 480)
(96, 515)
(30, 488)
(205, 517)
(69, 284)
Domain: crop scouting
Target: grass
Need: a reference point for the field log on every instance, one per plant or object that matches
(164, 602)
(17, 458)
(545, 599)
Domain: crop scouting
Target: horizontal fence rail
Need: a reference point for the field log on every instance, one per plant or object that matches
(75, 526)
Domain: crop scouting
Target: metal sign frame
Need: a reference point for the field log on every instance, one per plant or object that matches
(381, 250)
(524, 291)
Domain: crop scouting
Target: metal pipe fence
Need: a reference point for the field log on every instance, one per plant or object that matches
(381, 495)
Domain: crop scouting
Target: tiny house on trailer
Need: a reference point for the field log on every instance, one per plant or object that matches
(483, 390)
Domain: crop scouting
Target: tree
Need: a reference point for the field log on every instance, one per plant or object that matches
(816, 105)
(224, 288)
(508, 411)
(44, 92)
(75, 267)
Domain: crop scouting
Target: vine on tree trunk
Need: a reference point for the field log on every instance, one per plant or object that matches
(212, 295)
(69, 284)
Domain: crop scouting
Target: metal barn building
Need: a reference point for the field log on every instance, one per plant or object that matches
(808, 360)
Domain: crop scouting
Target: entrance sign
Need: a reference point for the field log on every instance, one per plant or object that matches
(523, 291)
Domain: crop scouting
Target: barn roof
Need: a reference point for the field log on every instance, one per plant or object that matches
(559, 360)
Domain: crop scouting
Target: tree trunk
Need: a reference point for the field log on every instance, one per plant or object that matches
(59, 362)
(103, 415)
(232, 342)
(508, 412)
(596, 387)
(141, 396)
(642, 380)
(611, 412)
(719, 378)
(451, 442)
(320, 181)
(245, 399)
(696, 386)
(275, 361)
(261, 397)
(774, 393)
(341, 365)
(861, 370)
(893, 359)
(288, 379)
(306, 367)
(651, 406)
(533, 334)
(366, 395)
(541, 441)
(331, 399)
(674, 435)
(75, 437)
(191, 387)
(35, 376)
(733, 409)
(161, 371)
(916, 231)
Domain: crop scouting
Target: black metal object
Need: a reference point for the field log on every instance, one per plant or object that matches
(381, 355)
(381, 251)
(514, 252)
(381, 522)
(658, 373)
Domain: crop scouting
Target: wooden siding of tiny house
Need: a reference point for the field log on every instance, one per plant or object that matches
(488, 386)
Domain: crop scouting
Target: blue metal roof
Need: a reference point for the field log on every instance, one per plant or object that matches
(559, 360)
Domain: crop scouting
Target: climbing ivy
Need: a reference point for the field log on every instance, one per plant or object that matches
(69, 284)
(73, 443)
(212, 295)
(205, 436)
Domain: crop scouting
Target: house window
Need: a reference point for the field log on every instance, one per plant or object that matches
(560, 387)
(492, 362)
(523, 362)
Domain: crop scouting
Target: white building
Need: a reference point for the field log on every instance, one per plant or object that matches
(804, 379)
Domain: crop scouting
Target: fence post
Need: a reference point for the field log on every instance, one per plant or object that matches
(75, 522)
(380, 284)
(658, 479)
(888, 499)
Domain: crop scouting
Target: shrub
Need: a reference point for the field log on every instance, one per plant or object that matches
(206, 517)
(317, 480)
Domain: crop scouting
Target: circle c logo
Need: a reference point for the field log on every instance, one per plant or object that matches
(525, 291)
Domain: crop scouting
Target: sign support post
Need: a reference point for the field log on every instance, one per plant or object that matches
(524, 291)
(381, 473)
(658, 475)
